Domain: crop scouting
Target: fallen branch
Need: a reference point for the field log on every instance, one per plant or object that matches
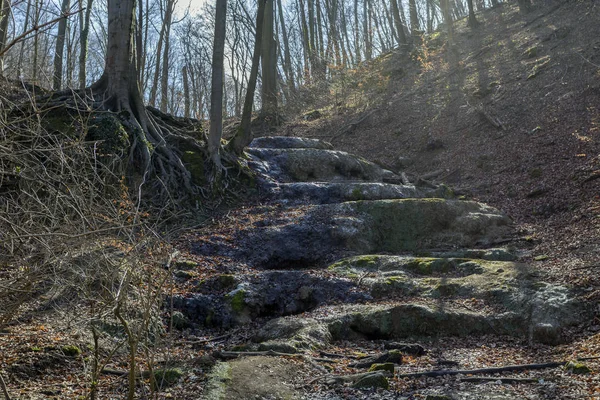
(496, 379)
(521, 367)
(333, 355)
(4, 389)
(230, 355)
(213, 339)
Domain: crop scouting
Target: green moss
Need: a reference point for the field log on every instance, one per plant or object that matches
(356, 194)
(531, 52)
(237, 300)
(372, 381)
(108, 130)
(71, 350)
(428, 266)
(577, 368)
(349, 266)
(194, 162)
(382, 367)
(185, 265)
(166, 377)
(179, 320)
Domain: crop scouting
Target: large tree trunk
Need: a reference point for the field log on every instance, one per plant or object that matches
(216, 95)
(118, 90)
(269, 63)
(22, 50)
(85, 31)
(164, 79)
(414, 18)
(445, 5)
(186, 91)
(289, 72)
(399, 23)
(5, 9)
(60, 46)
(472, 20)
(243, 136)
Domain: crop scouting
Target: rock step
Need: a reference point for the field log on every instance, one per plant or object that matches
(323, 233)
(289, 142)
(315, 165)
(545, 309)
(322, 327)
(338, 192)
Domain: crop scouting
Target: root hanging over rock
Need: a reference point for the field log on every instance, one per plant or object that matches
(167, 155)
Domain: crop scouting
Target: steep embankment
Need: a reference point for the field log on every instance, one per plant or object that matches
(507, 114)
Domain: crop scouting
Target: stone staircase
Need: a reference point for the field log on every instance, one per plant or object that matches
(355, 254)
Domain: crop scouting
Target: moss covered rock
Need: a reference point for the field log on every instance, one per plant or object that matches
(71, 350)
(389, 367)
(373, 381)
(165, 377)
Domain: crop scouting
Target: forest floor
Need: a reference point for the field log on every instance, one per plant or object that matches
(508, 115)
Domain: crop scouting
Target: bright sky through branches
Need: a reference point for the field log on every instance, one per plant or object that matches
(193, 4)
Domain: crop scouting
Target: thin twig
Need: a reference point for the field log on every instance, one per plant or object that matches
(4, 389)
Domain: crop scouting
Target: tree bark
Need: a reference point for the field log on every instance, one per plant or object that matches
(216, 94)
(399, 23)
(85, 31)
(5, 8)
(269, 63)
(60, 46)
(414, 17)
(289, 72)
(243, 136)
(164, 79)
(186, 92)
(472, 20)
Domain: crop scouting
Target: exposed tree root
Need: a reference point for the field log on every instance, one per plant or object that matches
(157, 141)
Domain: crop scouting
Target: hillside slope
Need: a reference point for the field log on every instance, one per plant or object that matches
(508, 114)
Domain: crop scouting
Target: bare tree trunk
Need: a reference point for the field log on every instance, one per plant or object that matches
(22, 50)
(399, 23)
(289, 73)
(164, 81)
(366, 31)
(243, 136)
(414, 18)
(305, 42)
(472, 20)
(186, 92)
(269, 63)
(216, 94)
(445, 5)
(6, 9)
(85, 31)
(154, 87)
(60, 46)
(36, 40)
(357, 33)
